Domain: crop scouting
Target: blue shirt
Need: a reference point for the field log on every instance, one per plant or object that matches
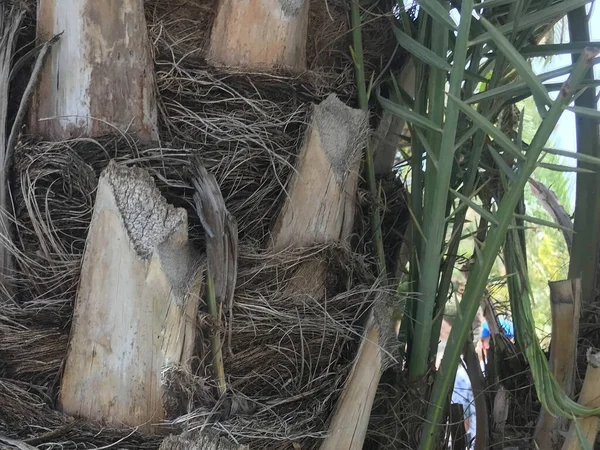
(506, 327)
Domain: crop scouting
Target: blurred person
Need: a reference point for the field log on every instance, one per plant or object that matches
(506, 327)
(462, 392)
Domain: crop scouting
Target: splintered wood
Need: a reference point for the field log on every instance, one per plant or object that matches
(322, 193)
(135, 312)
(99, 78)
(260, 34)
(320, 209)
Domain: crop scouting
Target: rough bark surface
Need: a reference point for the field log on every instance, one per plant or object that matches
(136, 305)
(99, 78)
(260, 34)
(199, 440)
(321, 196)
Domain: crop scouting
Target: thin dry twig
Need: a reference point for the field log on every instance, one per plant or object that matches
(26, 99)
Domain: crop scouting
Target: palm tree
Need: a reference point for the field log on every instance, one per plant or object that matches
(206, 230)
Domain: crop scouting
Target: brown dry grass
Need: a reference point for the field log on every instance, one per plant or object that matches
(290, 354)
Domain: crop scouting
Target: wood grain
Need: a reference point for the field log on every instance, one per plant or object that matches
(99, 78)
(136, 306)
(260, 34)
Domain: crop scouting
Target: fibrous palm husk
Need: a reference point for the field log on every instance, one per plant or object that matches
(288, 355)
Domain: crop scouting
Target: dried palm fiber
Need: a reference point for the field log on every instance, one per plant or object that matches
(290, 355)
(286, 383)
(25, 416)
(180, 31)
(398, 414)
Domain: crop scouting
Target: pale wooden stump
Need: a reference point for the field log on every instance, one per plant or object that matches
(322, 193)
(589, 396)
(135, 313)
(321, 200)
(260, 34)
(349, 425)
(320, 208)
(565, 302)
(99, 78)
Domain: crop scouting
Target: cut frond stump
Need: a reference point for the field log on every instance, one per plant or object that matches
(322, 193)
(321, 202)
(260, 34)
(136, 305)
(290, 352)
(350, 422)
(320, 209)
(100, 77)
(589, 396)
(565, 301)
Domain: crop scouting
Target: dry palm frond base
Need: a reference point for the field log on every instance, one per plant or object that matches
(288, 355)
(180, 31)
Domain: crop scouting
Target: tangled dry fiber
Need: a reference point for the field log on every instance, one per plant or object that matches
(289, 354)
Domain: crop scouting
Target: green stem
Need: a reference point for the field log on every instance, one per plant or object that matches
(436, 202)
(587, 208)
(478, 279)
(363, 103)
(469, 186)
(217, 354)
(416, 189)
